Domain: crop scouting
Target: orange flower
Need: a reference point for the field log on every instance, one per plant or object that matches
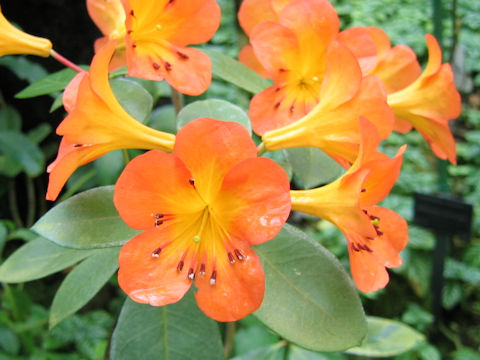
(429, 103)
(375, 235)
(97, 124)
(201, 208)
(318, 93)
(396, 66)
(14, 41)
(158, 33)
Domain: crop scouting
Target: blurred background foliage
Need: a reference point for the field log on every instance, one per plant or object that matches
(28, 143)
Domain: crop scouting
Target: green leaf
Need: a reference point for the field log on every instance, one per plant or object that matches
(297, 353)
(82, 283)
(133, 97)
(309, 298)
(10, 119)
(38, 258)
(213, 108)
(24, 68)
(84, 221)
(49, 84)
(177, 331)
(269, 352)
(39, 133)
(164, 119)
(18, 148)
(236, 73)
(312, 167)
(387, 338)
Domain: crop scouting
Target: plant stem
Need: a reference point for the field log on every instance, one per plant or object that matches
(177, 100)
(31, 201)
(65, 61)
(12, 200)
(230, 329)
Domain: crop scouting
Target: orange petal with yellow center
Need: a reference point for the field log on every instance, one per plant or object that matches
(238, 290)
(210, 148)
(148, 279)
(144, 189)
(254, 200)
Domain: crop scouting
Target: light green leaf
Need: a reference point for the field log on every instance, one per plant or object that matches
(309, 299)
(49, 84)
(164, 119)
(297, 353)
(39, 133)
(38, 258)
(133, 97)
(213, 108)
(387, 337)
(18, 148)
(312, 167)
(177, 331)
(84, 221)
(269, 352)
(82, 283)
(236, 73)
(24, 68)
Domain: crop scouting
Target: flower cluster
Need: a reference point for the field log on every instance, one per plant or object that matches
(205, 196)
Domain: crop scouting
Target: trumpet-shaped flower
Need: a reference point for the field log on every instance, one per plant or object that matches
(396, 66)
(158, 33)
(429, 103)
(13, 41)
(97, 124)
(201, 208)
(375, 235)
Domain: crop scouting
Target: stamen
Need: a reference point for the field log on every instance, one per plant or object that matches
(354, 247)
(202, 269)
(231, 258)
(156, 252)
(196, 238)
(155, 66)
(158, 27)
(277, 89)
(132, 13)
(379, 233)
(77, 145)
(191, 274)
(134, 45)
(238, 254)
(283, 70)
(192, 181)
(277, 105)
(180, 266)
(213, 277)
(168, 66)
(363, 190)
(292, 108)
(182, 55)
(129, 32)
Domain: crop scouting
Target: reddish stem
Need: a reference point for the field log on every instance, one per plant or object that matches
(65, 61)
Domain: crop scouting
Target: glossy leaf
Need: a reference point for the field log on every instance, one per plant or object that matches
(82, 283)
(84, 221)
(38, 258)
(309, 299)
(177, 331)
(387, 338)
(133, 97)
(47, 85)
(19, 149)
(164, 119)
(236, 73)
(213, 108)
(312, 167)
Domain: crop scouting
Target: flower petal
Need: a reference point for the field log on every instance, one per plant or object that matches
(238, 290)
(248, 58)
(108, 15)
(71, 91)
(209, 148)
(254, 200)
(145, 186)
(254, 12)
(147, 279)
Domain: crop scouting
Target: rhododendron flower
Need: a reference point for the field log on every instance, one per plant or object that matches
(375, 235)
(14, 41)
(429, 103)
(158, 33)
(97, 124)
(396, 66)
(201, 208)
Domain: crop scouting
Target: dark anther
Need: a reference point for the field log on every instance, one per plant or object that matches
(180, 266)
(282, 70)
(156, 252)
(158, 222)
(202, 269)
(191, 274)
(276, 105)
(134, 45)
(238, 254)
(363, 190)
(191, 181)
(129, 32)
(132, 13)
(213, 277)
(77, 145)
(155, 66)
(379, 233)
(277, 89)
(182, 55)
(168, 66)
(354, 247)
(292, 108)
(231, 258)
